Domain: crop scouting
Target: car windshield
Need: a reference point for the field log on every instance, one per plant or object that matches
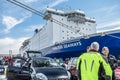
(33, 54)
(44, 62)
(18, 61)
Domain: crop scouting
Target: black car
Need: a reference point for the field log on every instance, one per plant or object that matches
(42, 68)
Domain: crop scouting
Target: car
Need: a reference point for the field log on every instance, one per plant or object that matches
(2, 71)
(71, 67)
(38, 68)
(18, 61)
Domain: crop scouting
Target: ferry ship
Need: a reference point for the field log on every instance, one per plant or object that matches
(68, 33)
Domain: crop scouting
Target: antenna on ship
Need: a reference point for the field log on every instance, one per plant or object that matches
(42, 15)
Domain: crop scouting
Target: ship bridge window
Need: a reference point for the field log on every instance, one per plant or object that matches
(82, 15)
(62, 31)
(68, 20)
(67, 35)
(49, 12)
(62, 15)
(79, 28)
(51, 20)
(71, 37)
(89, 24)
(62, 24)
(81, 22)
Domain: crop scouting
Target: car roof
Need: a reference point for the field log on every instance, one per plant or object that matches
(19, 58)
(34, 52)
(36, 58)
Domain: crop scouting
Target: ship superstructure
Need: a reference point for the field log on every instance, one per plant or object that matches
(71, 24)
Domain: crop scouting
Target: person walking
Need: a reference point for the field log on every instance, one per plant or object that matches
(90, 66)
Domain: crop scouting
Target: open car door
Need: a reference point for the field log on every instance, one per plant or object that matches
(18, 72)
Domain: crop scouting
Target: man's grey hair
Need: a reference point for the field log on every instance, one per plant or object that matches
(94, 46)
(106, 48)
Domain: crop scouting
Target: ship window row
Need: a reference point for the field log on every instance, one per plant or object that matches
(87, 29)
(70, 14)
(56, 13)
(75, 14)
(67, 38)
(78, 21)
(67, 32)
(91, 21)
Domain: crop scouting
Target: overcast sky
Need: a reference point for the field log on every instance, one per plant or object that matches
(17, 24)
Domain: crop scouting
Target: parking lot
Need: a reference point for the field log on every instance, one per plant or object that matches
(42, 68)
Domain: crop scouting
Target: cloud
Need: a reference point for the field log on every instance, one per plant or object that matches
(57, 2)
(6, 41)
(107, 9)
(29, 1)
(12, 15)
(106, 13)
(7, 44)
(10, 22)
(33, 27)
(113, 23)
(112, 29)
(107, 18)
(26, 15)
(108, 26)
